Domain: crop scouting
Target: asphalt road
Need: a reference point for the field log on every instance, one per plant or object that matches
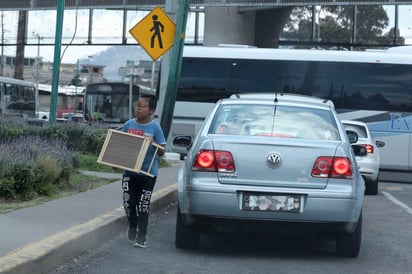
(386, 247)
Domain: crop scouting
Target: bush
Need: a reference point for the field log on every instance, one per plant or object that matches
(48, 171)
(24, 181)
(38, 160)
(79, 137)
(33, 165)
(7, 188)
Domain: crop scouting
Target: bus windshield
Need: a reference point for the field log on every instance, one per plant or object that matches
(108, 102)
(17, 98)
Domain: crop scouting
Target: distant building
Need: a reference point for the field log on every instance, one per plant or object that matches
(89, 73)
(148, 76)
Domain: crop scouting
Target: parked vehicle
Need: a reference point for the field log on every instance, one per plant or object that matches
(278, 161)
(17, 98)
(368, 164)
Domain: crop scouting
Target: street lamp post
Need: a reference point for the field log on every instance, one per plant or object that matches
(77, 80)
(131, 72)
(37, 63)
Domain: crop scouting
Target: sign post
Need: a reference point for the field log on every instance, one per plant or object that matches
(175, 65)
(131, 72)
(156, 33)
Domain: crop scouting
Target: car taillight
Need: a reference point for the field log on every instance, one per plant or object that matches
(369, 148)
(214, 160)
(332, 167)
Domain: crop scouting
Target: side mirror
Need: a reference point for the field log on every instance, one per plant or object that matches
(359, 150)
(352, 136)
(380, 143)
(182, 141)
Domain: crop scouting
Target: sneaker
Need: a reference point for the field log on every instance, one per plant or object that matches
(140, 241)
(131, 233)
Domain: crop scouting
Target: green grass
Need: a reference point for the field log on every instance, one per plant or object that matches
(89, 162)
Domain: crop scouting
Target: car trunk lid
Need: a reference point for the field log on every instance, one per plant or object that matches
(274, 162)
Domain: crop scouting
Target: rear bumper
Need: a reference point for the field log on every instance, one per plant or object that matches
(369, 169)
(209, 208)
(369, 174)
(214, 224)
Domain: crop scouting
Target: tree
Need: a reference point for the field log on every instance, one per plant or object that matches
(370, 21)
(334, 25)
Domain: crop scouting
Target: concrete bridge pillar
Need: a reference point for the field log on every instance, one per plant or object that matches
(260, 27)
(225, 25)
(268, 26)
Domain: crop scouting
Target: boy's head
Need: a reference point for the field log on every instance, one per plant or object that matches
(151, 99)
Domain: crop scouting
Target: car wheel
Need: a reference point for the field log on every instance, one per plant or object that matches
(187, 237)
(371, 187)
(348, 244)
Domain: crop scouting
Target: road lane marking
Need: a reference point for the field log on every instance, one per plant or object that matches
(397, 202)
(394, 188)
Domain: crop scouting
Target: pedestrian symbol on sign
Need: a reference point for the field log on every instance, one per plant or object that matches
(155, 33)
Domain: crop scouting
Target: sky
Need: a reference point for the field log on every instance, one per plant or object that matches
(107, 28)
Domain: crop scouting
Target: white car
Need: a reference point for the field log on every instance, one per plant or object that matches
(369, 164)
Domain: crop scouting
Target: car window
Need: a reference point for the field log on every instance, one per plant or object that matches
(359, 129)
(279, 121)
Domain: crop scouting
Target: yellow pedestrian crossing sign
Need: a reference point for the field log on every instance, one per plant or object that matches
(155, 33)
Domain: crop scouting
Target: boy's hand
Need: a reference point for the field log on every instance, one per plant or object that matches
(160, 149)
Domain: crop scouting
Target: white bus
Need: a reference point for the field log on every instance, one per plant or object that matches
(374, 87)
(17, 98)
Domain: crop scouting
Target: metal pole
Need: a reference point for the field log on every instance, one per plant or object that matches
(130, 96)
(2, 45)
(56, 62)
(313, 23)
(354, 25)
(77, 79)
(171, 9)
(153, 76)
(175, 65)
(396, 32)
(37, 72)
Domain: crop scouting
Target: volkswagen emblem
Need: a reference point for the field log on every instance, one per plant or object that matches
(273, 160)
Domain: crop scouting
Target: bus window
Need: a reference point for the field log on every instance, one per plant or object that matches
(321, 79)
(202, 80)
(379, 86)
(256, 76)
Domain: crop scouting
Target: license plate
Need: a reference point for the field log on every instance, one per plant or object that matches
(271, 202)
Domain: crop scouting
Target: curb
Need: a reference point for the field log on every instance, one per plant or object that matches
(47, 254)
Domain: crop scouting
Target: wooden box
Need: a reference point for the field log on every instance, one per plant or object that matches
(126, 151)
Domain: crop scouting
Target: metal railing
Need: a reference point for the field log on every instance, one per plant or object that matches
(149, 4)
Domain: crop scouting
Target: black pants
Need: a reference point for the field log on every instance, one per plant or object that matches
(137, 192)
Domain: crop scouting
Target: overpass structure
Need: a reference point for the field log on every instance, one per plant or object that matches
(249, 22)
(149, 4)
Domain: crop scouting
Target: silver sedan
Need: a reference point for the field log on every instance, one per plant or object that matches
(279, 163)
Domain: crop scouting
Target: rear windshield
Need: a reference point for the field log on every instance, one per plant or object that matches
(360, 130)
(275, 121)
